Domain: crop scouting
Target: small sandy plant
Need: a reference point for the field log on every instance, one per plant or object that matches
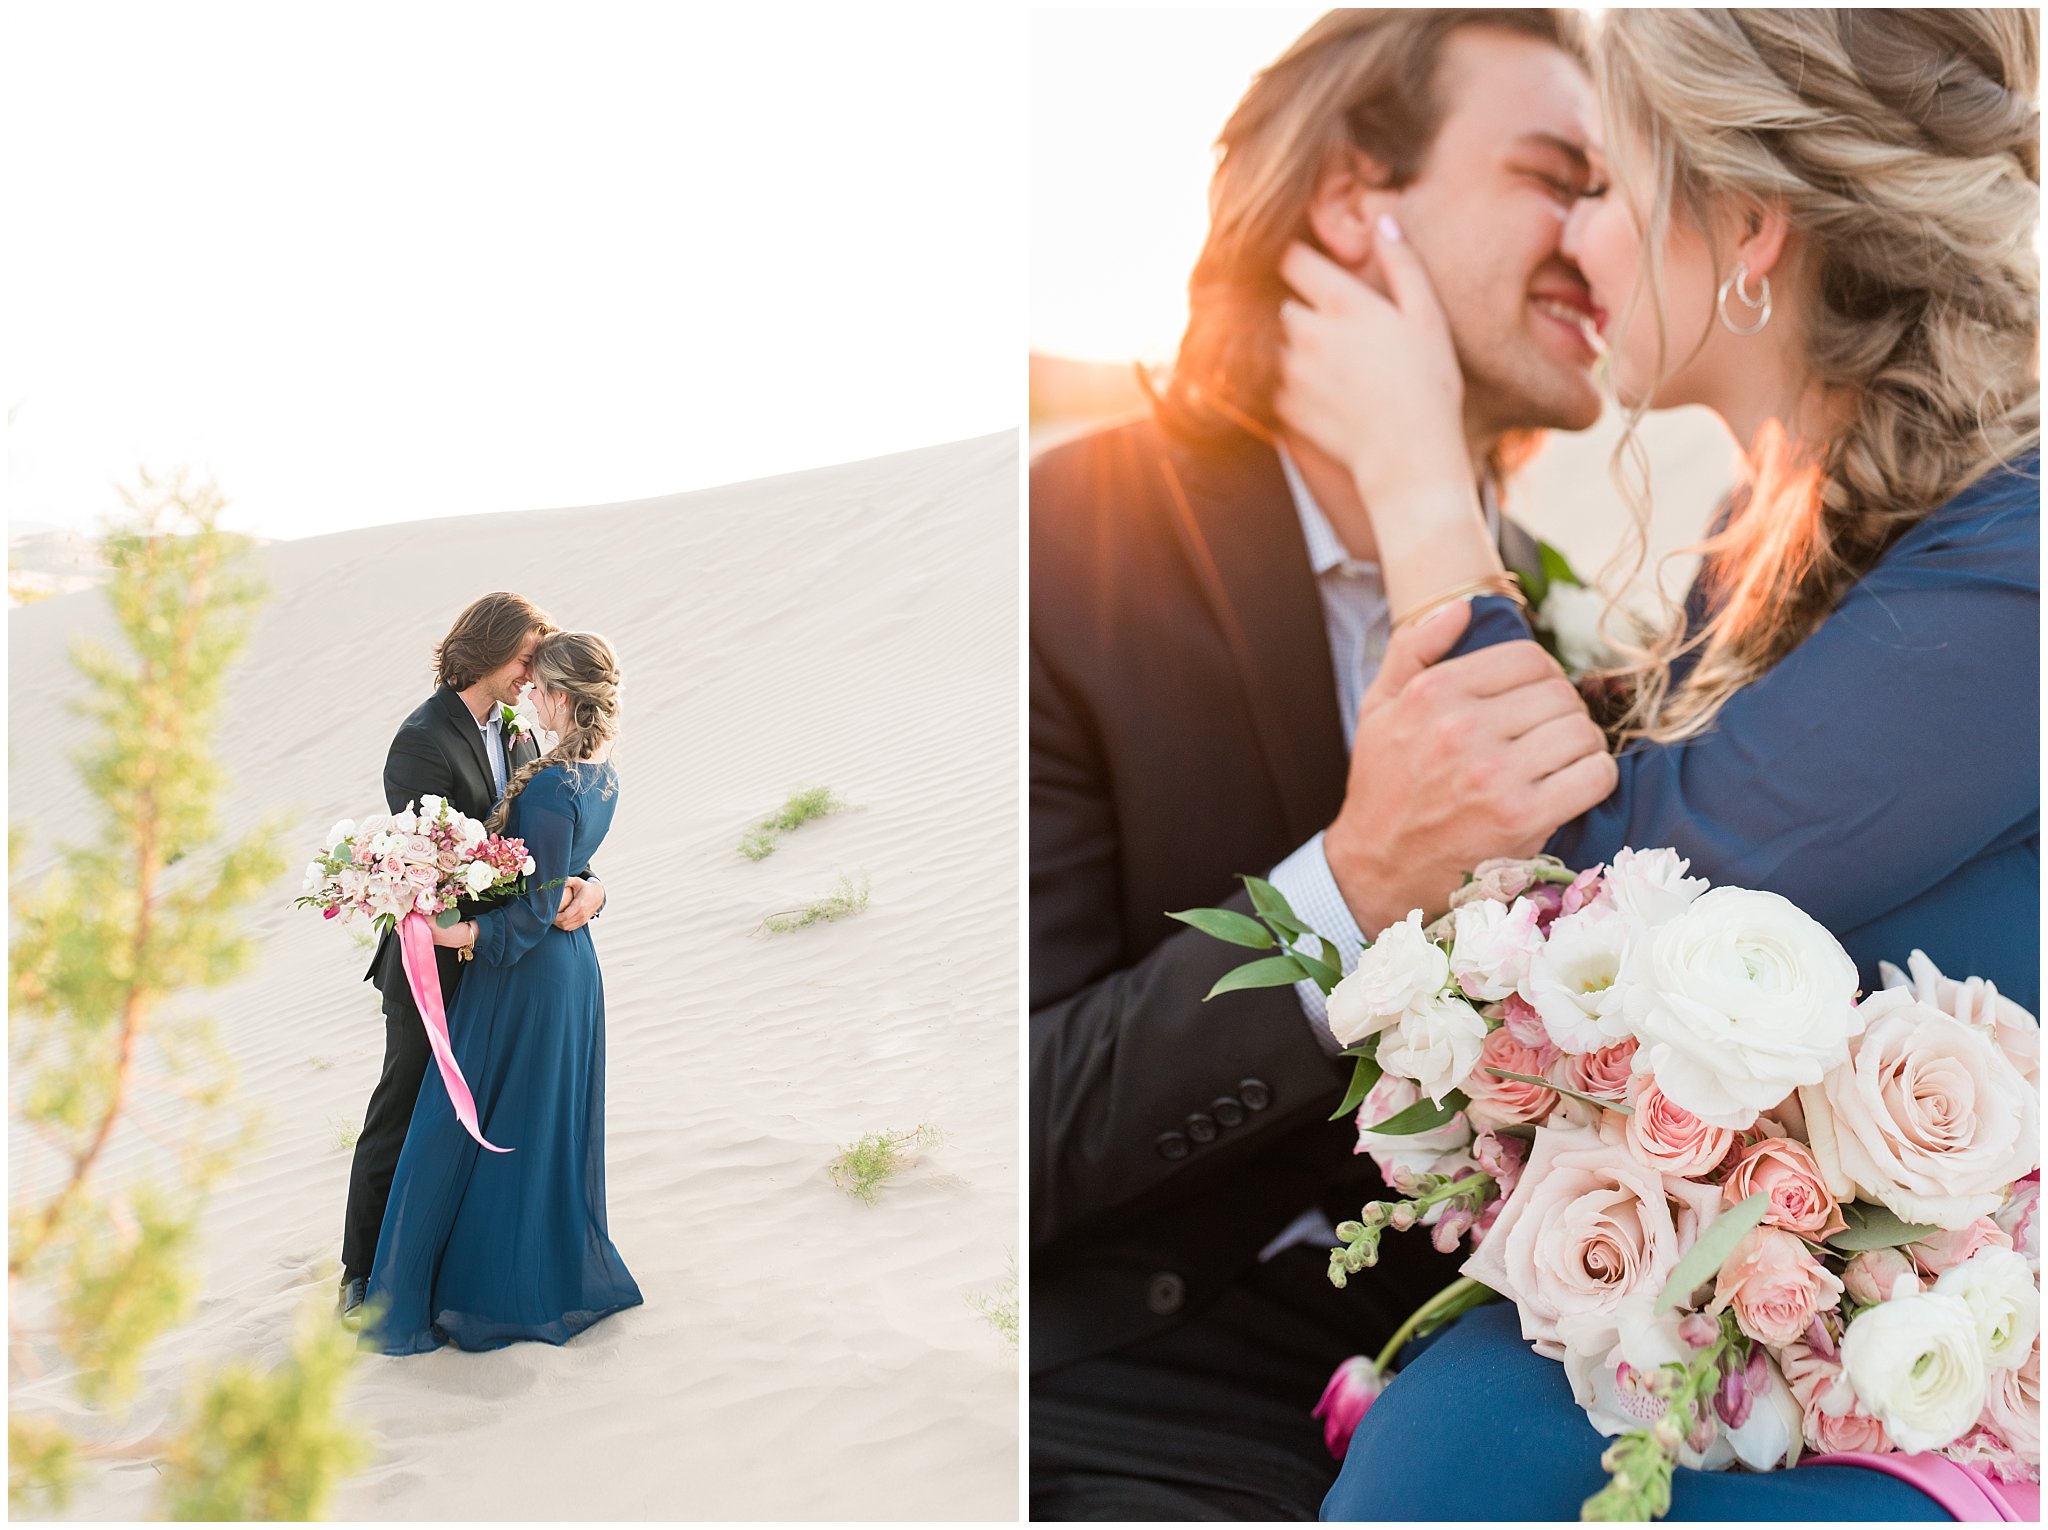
(998, 1308)
(863, 1168)
(803, 805)
(842, 902)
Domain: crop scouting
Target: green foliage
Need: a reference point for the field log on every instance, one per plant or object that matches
(1293, 965)
(842, 902)
(998, 1308)
(268, 1445)
(803, 805)
(862, 1168)
(147, 905)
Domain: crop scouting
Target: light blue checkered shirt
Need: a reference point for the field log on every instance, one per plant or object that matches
(1358, 623)
(494, 749)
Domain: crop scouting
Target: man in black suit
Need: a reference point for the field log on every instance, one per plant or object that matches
(1205, 618)
(455, 745)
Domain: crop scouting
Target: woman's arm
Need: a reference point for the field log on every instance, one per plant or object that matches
(547, 822)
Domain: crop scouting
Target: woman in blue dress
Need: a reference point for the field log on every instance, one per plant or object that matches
(485, 1249)
(1819, 226)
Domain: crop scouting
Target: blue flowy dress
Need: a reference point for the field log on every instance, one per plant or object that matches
(1885, 777)
(486, 1249)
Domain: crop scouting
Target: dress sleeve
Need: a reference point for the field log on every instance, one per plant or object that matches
(1899, 741)
(547, 822)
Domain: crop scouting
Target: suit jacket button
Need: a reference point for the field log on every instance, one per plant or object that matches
(1255, 1093)
(1171, 1145)
(1202, 1128)
(1228, 1110)
(1166, 1293)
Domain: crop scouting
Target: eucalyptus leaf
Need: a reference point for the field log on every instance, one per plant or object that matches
(1268, 972)
(1711, 1249)
(1876, 1227)
(1363, 1077)
(448, 918)
(1238, 929)
(1530, 1078)
(1267, 899)
(1424, 1115)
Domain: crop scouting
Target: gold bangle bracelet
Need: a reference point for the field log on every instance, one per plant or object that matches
(1493, 584)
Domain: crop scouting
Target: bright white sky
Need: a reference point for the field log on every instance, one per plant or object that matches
(377, 262)
(1125, 109)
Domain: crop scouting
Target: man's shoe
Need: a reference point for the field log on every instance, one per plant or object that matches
(351, 1304)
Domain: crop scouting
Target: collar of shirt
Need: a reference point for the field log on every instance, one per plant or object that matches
(1326, 550)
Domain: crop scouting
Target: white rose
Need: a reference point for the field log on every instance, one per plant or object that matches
(1650, 887)
(478, 876)
(1493, 947)
(1976, 1002)
(1572, 981)
(1737, 1001)
(344, 830)
(1571, 614)
(1437, 1043)
(1395, 973)
(1916, 1364)
(376, 823)
(1998, 1288)
(469, 833)
(1926, 1115)
(430, 807)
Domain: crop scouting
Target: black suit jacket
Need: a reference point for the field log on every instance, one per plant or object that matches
(439, 752)
(1184, 728)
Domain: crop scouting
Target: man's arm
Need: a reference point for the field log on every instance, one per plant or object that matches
(413, 769)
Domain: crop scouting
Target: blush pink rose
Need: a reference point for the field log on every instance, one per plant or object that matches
(1668, 1137)
(391, 866)
(2012, 1409)
(1870, 1276)
(1832, 1420)
(1603, 1074)
(1522, 1022)
(422, 876)
(1587, 1224)
(1785, 1170)
(1775, 1285)
(1505, 1101)
(1946, 1249)
(2020, 1216)
(419, 848)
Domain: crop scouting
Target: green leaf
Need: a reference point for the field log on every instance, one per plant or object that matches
(1269, 972)
(1470, 1294)
(1238, 929)
(1363, 1077)
(1711, 1249)
(1424, 1115)
(1556, 568)
(1327, 976)
(448, 918)
(1267, 899)
(1289, 930)
(1530, 1078)
(1535, 585)
(1875, 1227)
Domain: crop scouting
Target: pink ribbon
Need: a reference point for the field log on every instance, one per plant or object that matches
(416, 947)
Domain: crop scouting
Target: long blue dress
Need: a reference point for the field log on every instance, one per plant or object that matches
(1885, 777)
(485, 1249)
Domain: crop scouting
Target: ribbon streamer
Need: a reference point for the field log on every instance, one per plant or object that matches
(416, 946)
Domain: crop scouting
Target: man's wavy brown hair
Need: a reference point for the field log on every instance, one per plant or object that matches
(487, 635)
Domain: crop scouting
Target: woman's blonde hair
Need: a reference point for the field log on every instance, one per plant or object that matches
(1903, 147)
(582, 666)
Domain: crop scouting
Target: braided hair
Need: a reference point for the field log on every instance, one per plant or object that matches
(582, 666)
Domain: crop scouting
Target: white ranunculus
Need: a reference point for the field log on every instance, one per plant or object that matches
(1572, 983)
(1916, 1364)
(1650, 887)
(1998, 1288)
(1493, 946)
(1436, 1043)
(1737, 1001)
(1571, 613)
(1926, 1115)
(478, 876)
(1977, 1003)
(1394, 974)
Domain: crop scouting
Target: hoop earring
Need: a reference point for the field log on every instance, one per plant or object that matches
(1735, 284)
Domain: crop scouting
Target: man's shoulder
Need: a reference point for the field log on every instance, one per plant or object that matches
(429, 717)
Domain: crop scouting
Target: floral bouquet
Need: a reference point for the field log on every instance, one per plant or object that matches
(1750, 1210)
(400, 870)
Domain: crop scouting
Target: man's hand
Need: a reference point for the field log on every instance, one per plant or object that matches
(1457, 762)
(581, 899)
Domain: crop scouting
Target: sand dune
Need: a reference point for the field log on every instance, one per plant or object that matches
(800, 1355)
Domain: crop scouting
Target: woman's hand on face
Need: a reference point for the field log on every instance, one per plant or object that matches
(1373, 380)
(458, 936)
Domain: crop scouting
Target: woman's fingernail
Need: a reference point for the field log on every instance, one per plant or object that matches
(1389, 229)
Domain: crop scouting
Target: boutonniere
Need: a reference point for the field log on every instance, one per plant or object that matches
(514, 725)
(1566, 614)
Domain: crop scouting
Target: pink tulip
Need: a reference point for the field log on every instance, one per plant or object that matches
(1354, 1387)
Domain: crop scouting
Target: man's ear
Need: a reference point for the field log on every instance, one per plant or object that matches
(1350, 195)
